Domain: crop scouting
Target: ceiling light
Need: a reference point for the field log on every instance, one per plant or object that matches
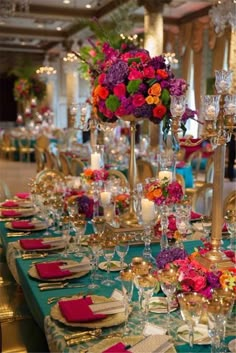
(223, 15)
(70, 63)
(66, 2)
(59, 28)
(46, 72)
(88, 6)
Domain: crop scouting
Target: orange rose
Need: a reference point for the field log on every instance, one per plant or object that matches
(149, 100)
(155, 90)
(157, 193)
(88, 172)
(150, 196)
(101, 91)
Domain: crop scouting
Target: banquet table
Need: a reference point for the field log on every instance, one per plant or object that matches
(55, 331)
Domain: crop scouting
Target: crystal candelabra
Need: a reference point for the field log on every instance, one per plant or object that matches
(220, 121)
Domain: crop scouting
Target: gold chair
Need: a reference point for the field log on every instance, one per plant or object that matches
(113, 173)
(49, 163)
(42, 142)
(202, 199)
(144, 170)
(7, 146)
(180, 155)
(4, 191)
(195, 161)
(65, 164)
(181, 181)
(25, 148)
(209, 174)
(230, 202)
(77, 166)
(49, 175)
(56, 162)
(39, 158)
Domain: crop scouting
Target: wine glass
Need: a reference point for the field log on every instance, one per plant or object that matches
(96, 247)
(146, 284)
(206, 227)
(99, 223)
(93, 262)
(80, 226)
(66, 234)
(230, 220)
(168, 280)
(191, 308)
(122, 249)
(108, 253)
(127, 286)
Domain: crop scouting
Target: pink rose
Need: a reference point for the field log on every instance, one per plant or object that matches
(120, 90)
(149, 72)
(121, 111)
(134, 74)
(92, 52)
(101, 78)
(138, 100)
(199, 283)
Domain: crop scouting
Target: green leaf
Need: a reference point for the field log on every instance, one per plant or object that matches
(133, 86)
(151, 81)
(131, 60)
(165, 97)
(112, 103)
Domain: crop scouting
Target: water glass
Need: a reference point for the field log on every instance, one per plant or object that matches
(108, 253)
(127, 286)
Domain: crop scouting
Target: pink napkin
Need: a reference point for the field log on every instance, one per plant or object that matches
(180, 164)
(117, 348)
(24, 224)
(195, 215)
(224, 228)
(33, 244)
(78, 310)
(52, 270)
(10, 213)
(23, 195)
(10, 204)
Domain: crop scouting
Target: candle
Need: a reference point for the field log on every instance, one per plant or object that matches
(165, 175)
(230, 109)
(105, 197)
(223, 85)
(148, 210)
(211, 112)
(95, 160)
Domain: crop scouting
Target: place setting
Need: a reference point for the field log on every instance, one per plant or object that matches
(26, 225)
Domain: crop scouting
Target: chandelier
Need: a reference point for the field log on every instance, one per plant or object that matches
(46, 72)
(70, 63)
(10, 7)
(223, 14)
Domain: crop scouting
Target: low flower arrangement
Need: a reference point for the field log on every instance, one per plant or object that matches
(163, 191)
(194, 277)
(91, 175)
(85, 203)
(133, 83)
(121, 202)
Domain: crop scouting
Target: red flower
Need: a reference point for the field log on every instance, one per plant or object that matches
(149, 72)
(162, 73)
(138, 100)
(101, 78)
(159, 111)
(135, 74)
(120, 90)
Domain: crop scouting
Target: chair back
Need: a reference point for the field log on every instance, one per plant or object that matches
(230, 202)
(202, 199)
(39, 158)
(180, 155)
(49, 175)
(113, 173)
(144, 170)
(77, 166)
(181, 181)
(49, 163)
(43, 142)
(65, 164)
(195, 160)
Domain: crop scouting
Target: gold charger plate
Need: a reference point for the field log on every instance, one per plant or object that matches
(20, 204)
(108, 342)
(38, 226)
(34, 273)
(24, 212)
(110, 320)
(56, 246)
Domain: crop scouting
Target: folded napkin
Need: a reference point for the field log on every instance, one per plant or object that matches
(51, 270)
(78, 310)
(10, 213)
(180, 164)
(10, 203)
(24, 224)
(33, 244)
(195, 215)
(117, 348)
(23, 195)
(152, 344)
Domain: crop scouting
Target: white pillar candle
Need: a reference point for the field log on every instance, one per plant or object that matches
(105, 197)
(148, 210)
(95, 160)
(164, 175)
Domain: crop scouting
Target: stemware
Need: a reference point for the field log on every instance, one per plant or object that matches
(191, 308)
(146, 284)
(99, 224)
(122, 249)
(168, 279)
(80, 226)
(108, 253)
(127, 286)
(93, 262)
(206, 227)
(66, 234)
(96, 247)
(230, 220)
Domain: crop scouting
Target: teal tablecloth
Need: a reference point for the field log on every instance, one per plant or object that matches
(37, 300)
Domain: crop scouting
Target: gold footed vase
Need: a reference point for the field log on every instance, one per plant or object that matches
(129, 218)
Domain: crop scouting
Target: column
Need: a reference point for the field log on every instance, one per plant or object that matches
(232, 61)
(153, 42)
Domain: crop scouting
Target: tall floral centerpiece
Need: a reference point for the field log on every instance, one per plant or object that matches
(132, 86)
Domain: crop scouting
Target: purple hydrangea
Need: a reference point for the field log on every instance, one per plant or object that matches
(85, 206)
(158, 62)
(145, 111)
(169, 255)
(178, 86)
(117, 73)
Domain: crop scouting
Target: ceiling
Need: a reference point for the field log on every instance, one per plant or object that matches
(49, 23)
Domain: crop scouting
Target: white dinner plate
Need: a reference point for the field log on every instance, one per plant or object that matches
(159, 305)
(115, 266)
(200, 334)
(232, 346)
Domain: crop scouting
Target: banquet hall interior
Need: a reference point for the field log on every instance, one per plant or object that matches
(117, 176)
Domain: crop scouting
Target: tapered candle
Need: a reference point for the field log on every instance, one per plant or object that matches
(105, 197)
(165, 174)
